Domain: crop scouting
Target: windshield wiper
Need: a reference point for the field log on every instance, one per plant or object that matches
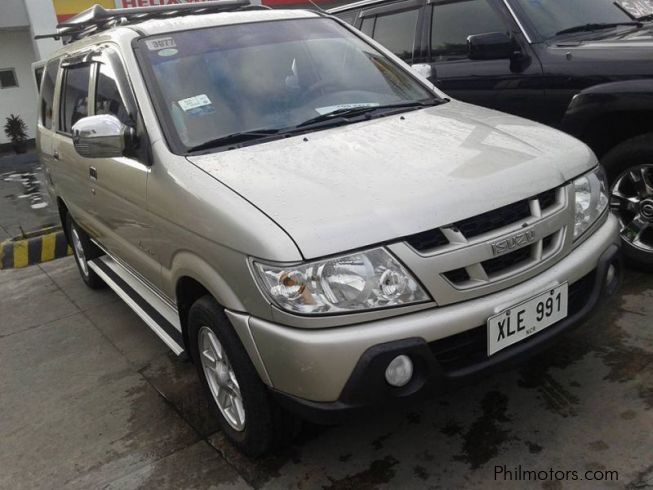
(357, 111)
(339, 115)
(234, 138)
(597, 27)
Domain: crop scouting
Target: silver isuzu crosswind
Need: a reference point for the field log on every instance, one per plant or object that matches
(319, 227)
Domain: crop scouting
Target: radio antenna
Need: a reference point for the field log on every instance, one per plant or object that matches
(317, 7)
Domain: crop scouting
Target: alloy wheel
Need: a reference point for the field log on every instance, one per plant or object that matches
(632, 201)
(221, 379)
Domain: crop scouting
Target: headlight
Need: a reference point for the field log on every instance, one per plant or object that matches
(359, 281)
(591, 199)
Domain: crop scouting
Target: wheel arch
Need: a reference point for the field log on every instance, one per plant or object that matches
(187, 291)
(603, 116)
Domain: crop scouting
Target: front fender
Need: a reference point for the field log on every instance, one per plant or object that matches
(609, 98)
(187, 264)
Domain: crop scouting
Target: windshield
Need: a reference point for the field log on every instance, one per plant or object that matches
(552, 16)
(226, 80)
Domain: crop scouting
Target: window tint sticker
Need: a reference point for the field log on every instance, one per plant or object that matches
(197, 105)
(161, 43)
(333, 108)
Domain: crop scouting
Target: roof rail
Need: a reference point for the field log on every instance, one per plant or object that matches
(97, 18)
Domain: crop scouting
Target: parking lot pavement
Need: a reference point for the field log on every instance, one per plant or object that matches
(90, 398)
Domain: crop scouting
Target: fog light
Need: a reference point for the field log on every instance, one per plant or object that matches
(399, 371)
(609, 277)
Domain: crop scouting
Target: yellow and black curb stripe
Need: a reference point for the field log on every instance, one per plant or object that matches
(41, 246)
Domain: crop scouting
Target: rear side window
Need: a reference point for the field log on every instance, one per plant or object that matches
(38, 76)
(452, 23)
(395, 31)
(47, 92)
(107, 95)
(74, 96)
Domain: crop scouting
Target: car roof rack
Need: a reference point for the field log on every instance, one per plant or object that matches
(96, 18)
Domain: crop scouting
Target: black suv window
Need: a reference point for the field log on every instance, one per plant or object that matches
(395, 31)
(452, 23)
(47, 92)
(107, 95)
(74, 96)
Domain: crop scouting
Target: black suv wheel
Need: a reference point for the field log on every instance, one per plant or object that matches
(630, 168)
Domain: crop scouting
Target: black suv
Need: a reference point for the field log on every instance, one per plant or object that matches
(584, 66)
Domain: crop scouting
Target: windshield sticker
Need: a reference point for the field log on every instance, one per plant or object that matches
(332, 108)
(637, 8)
(161, 43)
(200, 104)
(168, 52)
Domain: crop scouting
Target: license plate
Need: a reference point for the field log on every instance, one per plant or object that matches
(525, 319)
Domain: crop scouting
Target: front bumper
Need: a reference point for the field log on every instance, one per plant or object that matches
(323, 373)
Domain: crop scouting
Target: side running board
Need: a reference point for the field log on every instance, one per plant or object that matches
(162, 318)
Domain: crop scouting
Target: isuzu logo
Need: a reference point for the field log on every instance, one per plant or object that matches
(513, 242)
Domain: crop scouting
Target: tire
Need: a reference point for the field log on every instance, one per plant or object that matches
(625, 164)
(83, 251)
(265, 425)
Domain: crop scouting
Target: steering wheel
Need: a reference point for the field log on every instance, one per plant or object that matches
(317, 86)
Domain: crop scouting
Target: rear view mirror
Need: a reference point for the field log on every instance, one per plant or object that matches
(492, 46)
(424, 70)
(102, 136)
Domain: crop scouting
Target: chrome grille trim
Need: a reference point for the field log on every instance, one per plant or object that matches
(466, 268)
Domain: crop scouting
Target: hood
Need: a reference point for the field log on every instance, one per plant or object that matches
(637, 42)
(380, 180)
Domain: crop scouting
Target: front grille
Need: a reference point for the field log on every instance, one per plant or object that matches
(503, 263)
(500, 224)
(547, 199)
(428, 240)
(468, 348)
(457, 276)
(492, 220)
(483, 223)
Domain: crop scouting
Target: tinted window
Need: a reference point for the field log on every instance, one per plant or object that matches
(107, 94)
(349, 16)
(74, 103)
(397, 32)
(38, 75)
(367, 26)
(452, 23)
(47, 92)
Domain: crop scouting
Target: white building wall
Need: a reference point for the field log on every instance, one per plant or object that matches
(13, 14)
(16, 52)
(42, 20)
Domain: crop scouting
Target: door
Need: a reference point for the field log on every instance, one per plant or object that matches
(45, 132)
(395, 26)
(118, 185)
(69, 170)
(513, 86)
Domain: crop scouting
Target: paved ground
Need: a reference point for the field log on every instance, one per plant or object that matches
(24, 201)
(90, 398)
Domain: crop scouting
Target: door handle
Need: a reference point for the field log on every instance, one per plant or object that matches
(55, 155)
(92, 172)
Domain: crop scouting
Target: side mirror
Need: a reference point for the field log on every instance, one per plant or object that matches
(102, 136)
(492, 46)
(424, 70)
